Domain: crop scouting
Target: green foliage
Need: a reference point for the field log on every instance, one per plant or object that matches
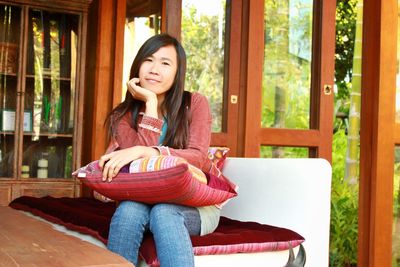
(346, 15)
(205, 58)
(344, 209)
(283, 152)
(396, 211)
(287, 75)
(396, 185)
(344, 196)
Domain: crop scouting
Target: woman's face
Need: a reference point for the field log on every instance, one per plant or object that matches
(157, 72)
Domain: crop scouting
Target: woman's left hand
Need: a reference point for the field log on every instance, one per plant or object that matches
(112, 163)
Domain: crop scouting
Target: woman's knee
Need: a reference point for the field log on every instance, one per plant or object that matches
(175, 216)
(130, 210)
(165, 210)
(163, 213)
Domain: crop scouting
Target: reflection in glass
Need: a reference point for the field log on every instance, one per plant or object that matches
(10, 17)
(50, 70)
(50, 94)
(203, 37)
(141, 22)
(396, 210)
(287, 64)
(283, 152)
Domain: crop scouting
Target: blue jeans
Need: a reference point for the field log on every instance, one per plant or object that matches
(170, 224)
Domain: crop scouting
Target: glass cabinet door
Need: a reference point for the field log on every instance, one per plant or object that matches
(49, 97)
(10, 19)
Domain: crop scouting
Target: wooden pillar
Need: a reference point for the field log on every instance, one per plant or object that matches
(255, 57)
(119, 51)
(377, 133)
(171, 17)
(99, 91)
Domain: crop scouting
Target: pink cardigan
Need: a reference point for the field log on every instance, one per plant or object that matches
(149, 132)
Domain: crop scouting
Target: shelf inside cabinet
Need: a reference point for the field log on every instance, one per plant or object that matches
(13, 74)
(50, 134)
(62, 135)
(48, 77)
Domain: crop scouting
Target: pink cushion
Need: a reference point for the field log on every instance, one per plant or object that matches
(161, 162)
(174, 184)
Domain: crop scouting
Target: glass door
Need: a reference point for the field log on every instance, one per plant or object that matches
(211, 34)
(203, 37)
(10, 25)
(290, 68)
(50, 94)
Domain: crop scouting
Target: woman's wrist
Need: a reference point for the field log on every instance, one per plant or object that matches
(147, 151)
(151, 108)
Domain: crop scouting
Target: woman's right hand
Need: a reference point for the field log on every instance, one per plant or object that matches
(139, 92)
(112, 163)
(145, 95)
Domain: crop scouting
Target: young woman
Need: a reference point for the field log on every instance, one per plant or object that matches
(158, 117)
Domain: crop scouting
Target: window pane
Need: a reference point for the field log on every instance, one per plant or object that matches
(283, 152)
(396, 210)
(10, 18)
(203, 36)
(287, 64)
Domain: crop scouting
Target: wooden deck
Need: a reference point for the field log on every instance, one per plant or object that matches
(25, 241)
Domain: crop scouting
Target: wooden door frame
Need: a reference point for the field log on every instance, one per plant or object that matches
(100, 76)
(320, 136)
(171, 12)
(377, 138)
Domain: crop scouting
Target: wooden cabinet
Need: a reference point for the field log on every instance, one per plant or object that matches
(42, 57)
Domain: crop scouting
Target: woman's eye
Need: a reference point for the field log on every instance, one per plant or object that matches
(148, 59)
(166, 63)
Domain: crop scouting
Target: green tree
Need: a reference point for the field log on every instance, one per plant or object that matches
(346, 15)
(287, 75)
(352, 159)
(344, 202)
(205, 58)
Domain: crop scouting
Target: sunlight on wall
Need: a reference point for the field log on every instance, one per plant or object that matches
(209, 8)
(136, 33)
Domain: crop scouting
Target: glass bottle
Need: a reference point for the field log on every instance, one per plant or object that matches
(43, 163)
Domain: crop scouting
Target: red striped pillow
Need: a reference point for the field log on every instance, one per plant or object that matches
(173, 184)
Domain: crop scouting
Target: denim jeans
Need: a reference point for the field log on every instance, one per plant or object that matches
(170, 224)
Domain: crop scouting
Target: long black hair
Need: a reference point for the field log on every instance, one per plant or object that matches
(176, 105)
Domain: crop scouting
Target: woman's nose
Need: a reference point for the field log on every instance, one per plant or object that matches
(154, 68)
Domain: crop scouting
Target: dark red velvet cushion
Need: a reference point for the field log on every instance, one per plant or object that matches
(90, 216)
(232, 236)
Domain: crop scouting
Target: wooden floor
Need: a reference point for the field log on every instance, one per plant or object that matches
(25, 241)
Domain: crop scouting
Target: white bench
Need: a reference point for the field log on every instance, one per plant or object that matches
(289, 193)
